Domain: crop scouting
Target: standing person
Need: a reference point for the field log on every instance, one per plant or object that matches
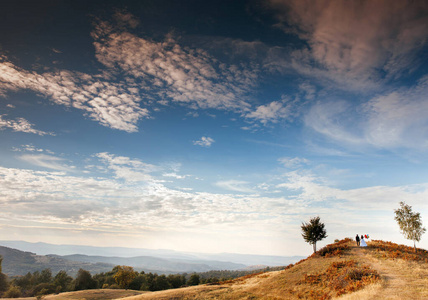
(357, 238)
(363, 242)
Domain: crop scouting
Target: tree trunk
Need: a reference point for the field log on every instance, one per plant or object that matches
(414, 245)
(315, 247)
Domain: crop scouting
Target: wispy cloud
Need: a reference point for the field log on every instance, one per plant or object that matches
(395, 119)
(113, 104)
(131, 170)
(354, 43)
(46, 161)
(111, 205)
(293, 163)
(204, 142)
(399, 118)
(139, 75)
(21, 125)
(235, 186)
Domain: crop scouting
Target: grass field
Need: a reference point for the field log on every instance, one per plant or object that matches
(339, 271)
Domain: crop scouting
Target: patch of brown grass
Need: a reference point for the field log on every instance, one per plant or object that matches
(101, 294)
(341, 277)
(382, 270)
(394, 251)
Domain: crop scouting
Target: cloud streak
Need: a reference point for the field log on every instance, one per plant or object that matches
(139, 74)
(354, 43)
(393, 120)
(21, 125)
(46, 161)
(113, 104)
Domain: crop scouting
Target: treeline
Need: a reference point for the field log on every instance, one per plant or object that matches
(43, 283)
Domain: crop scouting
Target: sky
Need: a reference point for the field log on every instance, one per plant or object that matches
(211, 126)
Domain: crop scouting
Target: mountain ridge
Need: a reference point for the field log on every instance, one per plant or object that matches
(64, 250)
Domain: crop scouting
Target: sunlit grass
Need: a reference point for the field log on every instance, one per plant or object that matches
(383, 270)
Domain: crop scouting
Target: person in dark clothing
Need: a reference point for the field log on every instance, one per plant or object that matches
(357, 238)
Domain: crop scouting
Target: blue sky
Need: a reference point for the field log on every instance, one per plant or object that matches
(211, 126)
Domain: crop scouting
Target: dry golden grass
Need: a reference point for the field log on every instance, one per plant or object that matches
(325, 276)
(339, 271)
(103, 294)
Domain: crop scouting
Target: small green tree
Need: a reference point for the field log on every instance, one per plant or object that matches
(13, 292)
(194, 279)
(62, 281)
(84, 281)
(410, 223)
(124, 276)
(313, 231)
(160, 283)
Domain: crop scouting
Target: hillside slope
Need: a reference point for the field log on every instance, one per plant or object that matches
(16, 262)
(342, 270)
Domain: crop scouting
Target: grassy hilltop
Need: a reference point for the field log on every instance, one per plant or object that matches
(383, 270)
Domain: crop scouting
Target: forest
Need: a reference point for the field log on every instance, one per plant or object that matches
(40, 283)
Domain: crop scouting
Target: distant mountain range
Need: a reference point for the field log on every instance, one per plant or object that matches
(16, 262)
(38, 256)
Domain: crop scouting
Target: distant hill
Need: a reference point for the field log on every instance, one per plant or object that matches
(16, 262)
(161, 261)
(383, 270)
(159, 264)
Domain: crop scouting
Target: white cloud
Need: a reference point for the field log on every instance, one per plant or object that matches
(396, 119)
(113, 104)
(272, 112)
(175, 175)
(138, 72)
(311, 188)
(204, 142)
(293, 163)
(46, 161)
(308, 89)
(113, 207)
(182, 75)
(235, 185)
(329, 118)
(31, 148)
(131, 170)
(399, 118)
(21, 125)
(100, 203)
(354, 43)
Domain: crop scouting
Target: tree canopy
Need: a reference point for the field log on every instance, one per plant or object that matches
(410, 223)
(313, 231)
(124, 276)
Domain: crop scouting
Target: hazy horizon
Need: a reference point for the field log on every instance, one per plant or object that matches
(211, 126)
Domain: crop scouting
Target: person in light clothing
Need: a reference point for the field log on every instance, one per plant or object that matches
(363, 242)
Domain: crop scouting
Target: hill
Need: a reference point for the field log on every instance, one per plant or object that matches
(383, 270)
(65, 250)
(102, 259)
(159, 264)
(16, 262)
